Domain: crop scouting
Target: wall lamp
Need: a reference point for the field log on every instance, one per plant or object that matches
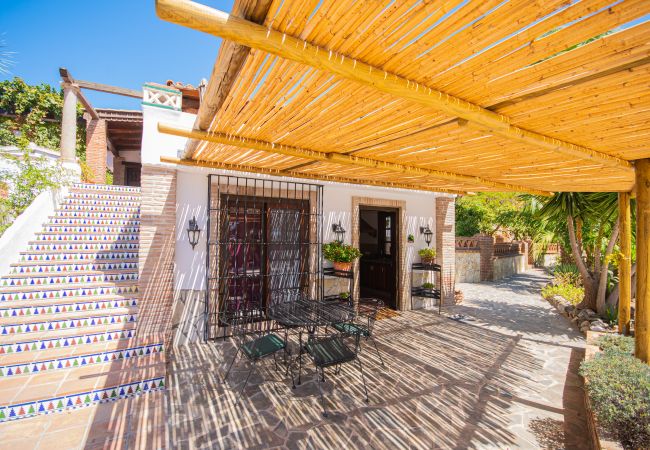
(193, 232)
(428, 234)
(339, 231)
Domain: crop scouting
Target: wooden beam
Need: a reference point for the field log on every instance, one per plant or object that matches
(301, 175)
(231, 59)
(338, 158)
(108, 89)
(642, 307)
(625, 263)
(69, 81)
(218, 23)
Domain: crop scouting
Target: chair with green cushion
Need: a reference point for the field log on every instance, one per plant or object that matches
(332, 351)
(363, 324)
(254, 340)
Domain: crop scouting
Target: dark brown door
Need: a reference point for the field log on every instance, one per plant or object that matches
(264, 259)
(379, 247)
(132, 174)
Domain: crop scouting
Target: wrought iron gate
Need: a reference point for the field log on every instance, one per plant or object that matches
(264, 245)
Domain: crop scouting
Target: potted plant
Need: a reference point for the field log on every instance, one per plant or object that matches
(344, 296)
(342, 255)
(428, 286)
(427, 256)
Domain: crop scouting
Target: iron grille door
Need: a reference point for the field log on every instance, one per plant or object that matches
(264, 246)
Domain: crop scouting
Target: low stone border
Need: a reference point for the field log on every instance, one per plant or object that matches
(585, 319)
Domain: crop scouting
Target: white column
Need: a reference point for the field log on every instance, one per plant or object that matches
(69, 124)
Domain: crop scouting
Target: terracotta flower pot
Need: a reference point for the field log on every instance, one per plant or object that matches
(342, 266)
(428, 261)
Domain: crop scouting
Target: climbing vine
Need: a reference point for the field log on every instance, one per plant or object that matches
(33, 114)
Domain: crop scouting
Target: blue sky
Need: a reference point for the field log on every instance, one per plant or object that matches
(117, 42)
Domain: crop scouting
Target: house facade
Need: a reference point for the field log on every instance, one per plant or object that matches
(261, 235)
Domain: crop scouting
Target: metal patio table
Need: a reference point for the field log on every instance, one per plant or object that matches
(309, 315)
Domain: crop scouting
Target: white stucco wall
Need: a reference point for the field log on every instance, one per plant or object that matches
(155, 144)
(192, 188)
(192, 199)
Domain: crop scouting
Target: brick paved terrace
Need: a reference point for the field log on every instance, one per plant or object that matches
(505, 377)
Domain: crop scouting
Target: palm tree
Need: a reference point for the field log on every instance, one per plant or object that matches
(599, 210)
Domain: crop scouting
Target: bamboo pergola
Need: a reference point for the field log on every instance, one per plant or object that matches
(449, 96)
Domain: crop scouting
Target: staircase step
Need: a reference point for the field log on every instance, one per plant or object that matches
(82, 187)
(96, 215)
(27, 293)
(18, 309)
(75, 267)
(42, 257)
(88, 195)
(89, 229)
(95, 345)
(67, 321)
(79, 221)
(46, 280)
(107, 200)
(98, 208)
(45, 237)
(35, 246)
(74, 388)
(71, 357)
(64, 339)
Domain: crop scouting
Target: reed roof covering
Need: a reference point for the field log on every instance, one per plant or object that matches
(536, 64)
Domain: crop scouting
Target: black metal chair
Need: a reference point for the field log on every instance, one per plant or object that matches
(331, 351)
(254, 339)
(363, 324)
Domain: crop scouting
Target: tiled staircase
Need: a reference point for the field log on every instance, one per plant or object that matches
(69, 310)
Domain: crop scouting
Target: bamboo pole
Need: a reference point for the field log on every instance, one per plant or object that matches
(625, 264)
(338, 158)
(221, 24)
(642, 309)
(293, 174)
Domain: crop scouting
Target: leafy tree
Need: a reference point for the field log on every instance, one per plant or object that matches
(30, 177)
(490, 212)
(33, 114)
(590, 221)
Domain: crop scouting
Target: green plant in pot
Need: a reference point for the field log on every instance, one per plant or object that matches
(342, 255)
(428, 286)
(344, 295)
(427, 256)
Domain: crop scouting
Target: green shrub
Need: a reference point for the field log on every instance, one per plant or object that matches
(616, 343)
(338, 252)
(574, 294)
(566, 274)
(619, 389)
(427, 252)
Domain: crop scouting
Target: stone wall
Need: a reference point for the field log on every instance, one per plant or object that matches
(505, 266)
(468, 267)
(481, 258)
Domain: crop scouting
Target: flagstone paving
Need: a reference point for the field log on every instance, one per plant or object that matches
(503, 377)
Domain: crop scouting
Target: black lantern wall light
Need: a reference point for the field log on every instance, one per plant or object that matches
(193, 232)
(339, 231)
(428, 234)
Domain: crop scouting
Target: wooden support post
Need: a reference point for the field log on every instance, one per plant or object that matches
(642, 310)
(625, 264)
(244, 32)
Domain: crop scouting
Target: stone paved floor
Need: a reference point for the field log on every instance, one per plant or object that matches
(504, 379)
